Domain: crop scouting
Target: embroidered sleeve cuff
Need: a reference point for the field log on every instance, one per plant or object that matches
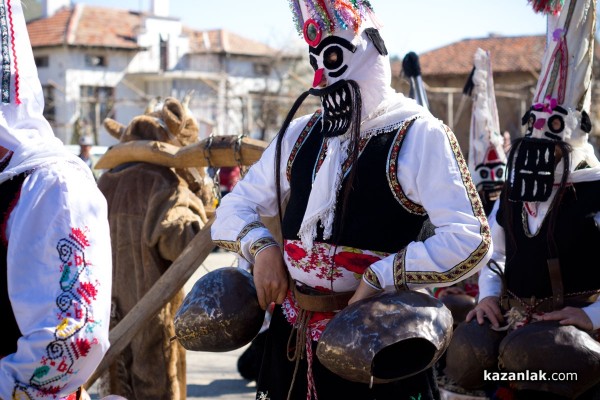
(228, 245)
(262, 244)
(400, 270)
(371, 279)
(250, 241)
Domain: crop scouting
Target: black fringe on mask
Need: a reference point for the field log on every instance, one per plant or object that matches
(353, 149)
(552, 215)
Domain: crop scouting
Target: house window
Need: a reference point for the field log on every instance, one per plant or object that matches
(164, 54)
(262, 69)
(42, 61)
(49, 105)
(94, 60)
(96, 103)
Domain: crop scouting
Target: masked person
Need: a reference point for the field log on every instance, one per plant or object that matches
(539, 293)
(54, 241)
(487, 160)
(358, 178)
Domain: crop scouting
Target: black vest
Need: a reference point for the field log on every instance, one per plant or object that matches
(576, 237)
(374, 218)
(9, 194)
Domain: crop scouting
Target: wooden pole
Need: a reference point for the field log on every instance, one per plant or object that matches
(161, 292)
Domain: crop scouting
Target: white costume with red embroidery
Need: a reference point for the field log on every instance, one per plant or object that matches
(424, 175)
(57, 239)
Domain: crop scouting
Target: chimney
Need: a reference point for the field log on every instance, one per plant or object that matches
(50, 7)
(160, 8)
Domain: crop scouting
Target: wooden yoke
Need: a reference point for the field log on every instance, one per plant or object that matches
(216, 151)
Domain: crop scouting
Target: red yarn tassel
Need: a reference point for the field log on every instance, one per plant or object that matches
(547, 6)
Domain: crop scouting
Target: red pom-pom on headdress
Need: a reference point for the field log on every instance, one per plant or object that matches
(547, 6)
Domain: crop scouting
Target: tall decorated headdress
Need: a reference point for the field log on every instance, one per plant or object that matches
(328, 16)
(487, 160)
(560, 111)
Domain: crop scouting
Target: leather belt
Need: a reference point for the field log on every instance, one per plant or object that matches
(548, 304)
(311, 300)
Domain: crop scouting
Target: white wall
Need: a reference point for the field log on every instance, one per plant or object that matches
(67, 72)
(49, 7)
(149, 38)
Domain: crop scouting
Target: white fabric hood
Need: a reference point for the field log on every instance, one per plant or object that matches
(23, 128)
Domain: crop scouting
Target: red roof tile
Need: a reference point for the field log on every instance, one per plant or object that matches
(222, 41)
(92, 26)
(508, 54)
(85, 25)
(50, 31)
(106, 27)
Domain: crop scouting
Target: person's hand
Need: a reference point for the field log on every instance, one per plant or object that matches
(488, 307)
(362, 292)
(569, 316)
(270, 277)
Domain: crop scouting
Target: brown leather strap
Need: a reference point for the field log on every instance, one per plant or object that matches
(547, 304)
(530, 305)
(558, 294)
(311, 300)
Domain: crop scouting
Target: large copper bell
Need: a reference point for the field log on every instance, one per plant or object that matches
(552, 348)
(386, 337)
(220, 313)
(473, 350)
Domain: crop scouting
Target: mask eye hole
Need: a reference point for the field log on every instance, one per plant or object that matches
(556, 124)
(312, 32)
(500, 172)
(333, 58)
(484, 173)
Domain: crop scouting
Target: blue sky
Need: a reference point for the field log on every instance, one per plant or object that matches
(409, 25)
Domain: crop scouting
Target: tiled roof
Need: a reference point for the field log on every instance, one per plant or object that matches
(222, 41)
(508, 54)
(85, 25)
(49, 31)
